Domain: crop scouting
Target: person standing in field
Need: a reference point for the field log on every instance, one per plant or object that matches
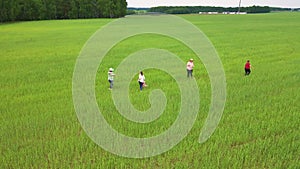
(247, 68)
(111, 78)
(189, 68)
(141, 80)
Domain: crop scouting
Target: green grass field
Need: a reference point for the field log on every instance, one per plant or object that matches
(259, 127)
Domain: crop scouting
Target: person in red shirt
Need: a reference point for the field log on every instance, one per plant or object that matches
(247, 68)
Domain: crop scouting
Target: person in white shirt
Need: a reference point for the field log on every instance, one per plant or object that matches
(141, 80)
(189, 68)
(111, 78)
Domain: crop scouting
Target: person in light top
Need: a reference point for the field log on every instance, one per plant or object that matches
(141, 80)
(189, 68)
(110, 78)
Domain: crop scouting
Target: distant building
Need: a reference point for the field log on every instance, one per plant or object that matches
(234, 13)
(225, 13)
(209, 13)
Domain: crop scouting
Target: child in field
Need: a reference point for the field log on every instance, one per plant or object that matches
(111, 78)
(247, 68)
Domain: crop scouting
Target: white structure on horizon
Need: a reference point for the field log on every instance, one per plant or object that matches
(234, 13)
(209, 13)
(225, 13)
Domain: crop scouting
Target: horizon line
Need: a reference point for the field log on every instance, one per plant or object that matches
(213, 6)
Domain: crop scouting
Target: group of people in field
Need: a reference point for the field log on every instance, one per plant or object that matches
(111, 74)
(189, 69)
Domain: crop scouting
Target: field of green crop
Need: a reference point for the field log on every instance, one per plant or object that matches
(259, 127)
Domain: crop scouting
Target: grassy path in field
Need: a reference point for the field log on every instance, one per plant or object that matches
(259, 127)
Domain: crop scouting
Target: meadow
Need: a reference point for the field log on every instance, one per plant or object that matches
(259, 127)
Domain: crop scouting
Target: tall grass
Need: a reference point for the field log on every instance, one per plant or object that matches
(259, 127)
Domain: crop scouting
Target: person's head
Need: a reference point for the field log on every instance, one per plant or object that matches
(191, 60)
(141, 73)
(248, 60)
(111, 69)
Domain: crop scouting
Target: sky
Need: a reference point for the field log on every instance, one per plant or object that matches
(222, 3)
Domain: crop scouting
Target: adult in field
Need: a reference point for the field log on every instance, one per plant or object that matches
(111, 78)
(247, 68)
(189, 68)
(141, 80)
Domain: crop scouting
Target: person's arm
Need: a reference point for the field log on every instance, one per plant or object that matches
(188, 65)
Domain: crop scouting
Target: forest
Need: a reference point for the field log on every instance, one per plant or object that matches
(27, 10)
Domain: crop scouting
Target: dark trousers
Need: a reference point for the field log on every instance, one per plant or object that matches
(141, 85)
(247, 71)
(111, 84)
(189, 73)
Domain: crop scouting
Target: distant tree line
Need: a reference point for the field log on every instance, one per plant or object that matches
(25, 10)
(284, 9)
(197, 9)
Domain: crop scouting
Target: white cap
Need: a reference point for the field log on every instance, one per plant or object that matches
(111, 69)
